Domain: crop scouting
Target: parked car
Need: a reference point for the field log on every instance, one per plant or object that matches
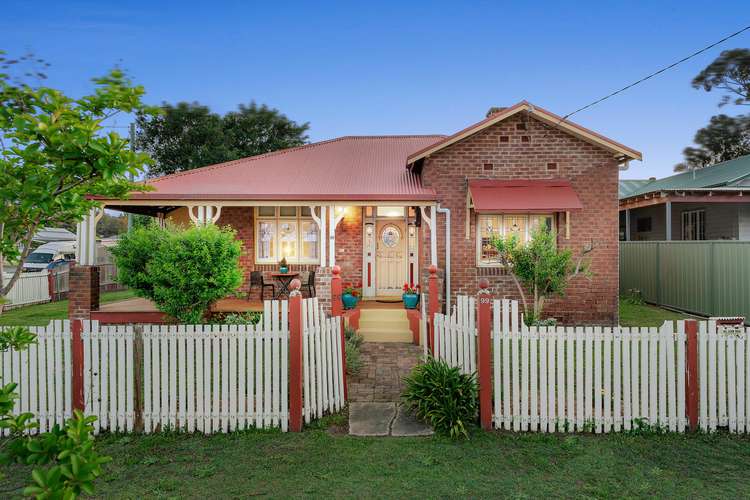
(50, 255)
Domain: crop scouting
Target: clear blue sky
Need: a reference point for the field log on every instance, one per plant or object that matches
(398, 67)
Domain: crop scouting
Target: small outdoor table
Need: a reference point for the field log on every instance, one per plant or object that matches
(284, 279)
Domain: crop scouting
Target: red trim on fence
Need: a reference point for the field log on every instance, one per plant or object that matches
(434, 306)
(414, 315)
(692, 390)
(484, 346)
(76, 346)
(124, 318)
(51, 285)
(295, 357)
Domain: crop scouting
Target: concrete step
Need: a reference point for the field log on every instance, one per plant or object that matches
(387, 324)
(383, 313)
(374, 334)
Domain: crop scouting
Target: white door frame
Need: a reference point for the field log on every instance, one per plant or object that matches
(369, 249)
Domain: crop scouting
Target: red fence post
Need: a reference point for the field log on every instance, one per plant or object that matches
(336, 288)
(76, 350)
(51, 285)
(692, 390)
(484, 350)
(295, 357)
(434, 305)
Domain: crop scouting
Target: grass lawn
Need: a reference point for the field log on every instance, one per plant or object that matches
(41, 314)
(646, 315)
(317, 463)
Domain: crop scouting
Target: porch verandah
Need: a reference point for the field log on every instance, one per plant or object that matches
(347, 234)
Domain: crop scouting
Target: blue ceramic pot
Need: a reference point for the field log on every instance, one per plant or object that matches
(283, 270)
(410, 300)
(349, 300)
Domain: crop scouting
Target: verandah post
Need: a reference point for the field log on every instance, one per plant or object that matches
(434, 305)
(692, 391)
(295, 357)
(484, 346)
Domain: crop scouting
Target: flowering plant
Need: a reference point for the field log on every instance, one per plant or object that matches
(411, 289)
(351, 290)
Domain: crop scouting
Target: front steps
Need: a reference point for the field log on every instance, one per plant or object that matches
(384, 325)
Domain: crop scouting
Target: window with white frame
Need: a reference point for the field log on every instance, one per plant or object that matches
(286, 232)
(491, 226)
(694, 225)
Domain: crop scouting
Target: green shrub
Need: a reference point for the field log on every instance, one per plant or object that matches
(443, 397)
(352, 345)
(248, 318)
(182, 271)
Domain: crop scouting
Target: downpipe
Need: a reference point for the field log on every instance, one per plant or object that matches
(447, 213)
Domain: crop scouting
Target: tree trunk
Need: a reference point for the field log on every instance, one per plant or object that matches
(5, 290)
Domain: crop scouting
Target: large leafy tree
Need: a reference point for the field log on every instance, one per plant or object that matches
(189, 135)
(725, 137)
(55, 152)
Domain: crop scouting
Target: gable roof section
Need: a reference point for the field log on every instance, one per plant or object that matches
(541, 114)
(726, 175)
(346, 168)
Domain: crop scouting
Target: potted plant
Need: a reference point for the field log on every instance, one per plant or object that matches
(283, 266)
(410, 296)
(350, 297)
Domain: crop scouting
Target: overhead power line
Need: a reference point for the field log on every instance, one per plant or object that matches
(662, 70)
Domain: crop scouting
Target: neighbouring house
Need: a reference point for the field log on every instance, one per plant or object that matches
(710, 203)
(384, 208)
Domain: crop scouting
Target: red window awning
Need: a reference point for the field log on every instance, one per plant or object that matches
(524, 195)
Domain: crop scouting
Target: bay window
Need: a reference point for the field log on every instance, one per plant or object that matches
(491, 226)
(286, 232)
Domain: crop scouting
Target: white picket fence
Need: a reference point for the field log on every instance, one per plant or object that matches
(195, 378)
(43, 374)
(30, 288)
(724, 377)
(108, 375)
(596, 379)
(322, 352)
(217, 378)
(600, 379)
(455, 335)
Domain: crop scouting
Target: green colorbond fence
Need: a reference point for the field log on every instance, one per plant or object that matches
(710, 278)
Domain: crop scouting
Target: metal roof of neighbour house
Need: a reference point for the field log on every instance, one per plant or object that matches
(728, 175)
(346, 168)
(539, 113)
(627, 186)
(490, 195)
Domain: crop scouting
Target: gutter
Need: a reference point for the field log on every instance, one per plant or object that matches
(447, 213)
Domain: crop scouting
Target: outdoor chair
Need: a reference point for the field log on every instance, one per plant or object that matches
(310, 285)
(256, 279)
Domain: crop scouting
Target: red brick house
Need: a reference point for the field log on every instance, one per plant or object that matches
(384, 208)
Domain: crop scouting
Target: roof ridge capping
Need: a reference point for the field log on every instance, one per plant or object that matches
(540, 113)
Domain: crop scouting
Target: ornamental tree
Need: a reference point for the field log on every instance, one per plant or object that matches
(539, 266)
(54, 152)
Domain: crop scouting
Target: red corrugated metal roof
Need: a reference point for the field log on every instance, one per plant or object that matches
(523, 195)
(347, 168)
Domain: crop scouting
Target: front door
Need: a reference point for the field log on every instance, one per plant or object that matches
(390, 262)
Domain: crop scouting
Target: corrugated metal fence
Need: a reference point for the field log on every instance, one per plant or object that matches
(711, 278)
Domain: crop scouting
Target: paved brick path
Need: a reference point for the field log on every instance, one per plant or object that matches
(384, 365)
